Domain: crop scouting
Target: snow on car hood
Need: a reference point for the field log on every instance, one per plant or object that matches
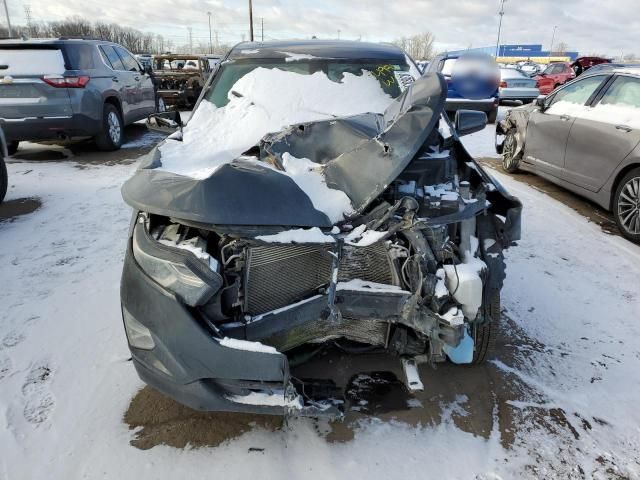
(265, 101)
(320, 161)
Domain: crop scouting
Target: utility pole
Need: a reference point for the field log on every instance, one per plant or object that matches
(190, 39)
(210, 42)
(262, 29)
(27, 14)
(553, 37)
(6, 12)
(501, 14)
(250, 20)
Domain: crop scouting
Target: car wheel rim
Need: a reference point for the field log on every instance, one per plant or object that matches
(508, 150)
(114, 127)
(629, 206)
(161, 106)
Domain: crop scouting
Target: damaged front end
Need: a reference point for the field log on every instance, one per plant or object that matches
(244, 274)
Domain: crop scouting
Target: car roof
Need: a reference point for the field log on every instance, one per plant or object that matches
(341, 49)
(34, 42)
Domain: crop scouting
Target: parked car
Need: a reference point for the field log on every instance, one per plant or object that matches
(556, 74)
(59, 89)
(530, 68)
(213, 61)
(180, 78)
(484, 87)
(515, 85)
(585, 137)
(581, 64)
(4, 178)
(282, 222)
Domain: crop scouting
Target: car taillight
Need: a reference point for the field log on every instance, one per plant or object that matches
(58, 81)
(503, 84)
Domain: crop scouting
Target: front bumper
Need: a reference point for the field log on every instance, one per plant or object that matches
(484, 105)
(187, 363)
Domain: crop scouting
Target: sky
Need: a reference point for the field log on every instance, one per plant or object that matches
(588, 26)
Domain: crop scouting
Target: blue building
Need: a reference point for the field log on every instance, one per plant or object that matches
(514, 53)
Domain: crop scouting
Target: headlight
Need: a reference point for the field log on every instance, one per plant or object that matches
(177, 270)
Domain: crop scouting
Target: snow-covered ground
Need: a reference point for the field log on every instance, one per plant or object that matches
(65, 381)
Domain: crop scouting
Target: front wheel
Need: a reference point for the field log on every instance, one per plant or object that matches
(492, 116)
(12, 147)
(626, 205)
(110, 137)
(484, 336)
(3, 178)
(510, 160)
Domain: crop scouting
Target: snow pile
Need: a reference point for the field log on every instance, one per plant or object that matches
(261, 102)
(32, 62)
(191, 245)
(247, 346)
(365, 286)
(362, 237)
(298, 235)
(294, 57)
(335, 204)
(274, 399)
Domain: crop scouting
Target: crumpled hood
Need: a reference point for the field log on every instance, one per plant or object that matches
(357, 155)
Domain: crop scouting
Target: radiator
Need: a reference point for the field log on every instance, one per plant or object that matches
(279, 275)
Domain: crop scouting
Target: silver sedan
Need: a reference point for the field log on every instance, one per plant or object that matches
(515, 85)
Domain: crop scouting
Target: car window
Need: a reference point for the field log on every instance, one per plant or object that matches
(447, 66)
(393, 78)
(578, 92)
(112, 57)
(80, 56)
(624, 91)
(130, 63)
(512, 73)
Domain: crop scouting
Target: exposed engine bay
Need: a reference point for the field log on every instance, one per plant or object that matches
(411, 275)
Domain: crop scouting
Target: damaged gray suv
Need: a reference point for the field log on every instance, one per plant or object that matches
(318, 197)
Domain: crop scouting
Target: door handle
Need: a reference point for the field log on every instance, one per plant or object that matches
(565, 117)
(626, 128)
(136, 78)
(115, 79)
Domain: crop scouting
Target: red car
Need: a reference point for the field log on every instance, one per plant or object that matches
(584, 63)
(553, 76)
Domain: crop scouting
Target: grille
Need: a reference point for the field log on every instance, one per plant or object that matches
(279, 275)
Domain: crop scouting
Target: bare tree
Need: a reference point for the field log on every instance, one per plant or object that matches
(419, 47)
(561, 48)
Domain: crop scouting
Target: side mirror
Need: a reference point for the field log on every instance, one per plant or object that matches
(165, 122)
(540, 101)
(469, 121)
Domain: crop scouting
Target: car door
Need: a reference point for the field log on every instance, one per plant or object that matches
(548, 128)
(603, 136)
(122, 80)
(142, 96)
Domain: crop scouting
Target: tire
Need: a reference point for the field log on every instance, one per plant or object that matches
(492, 116)
(160, 105)
(12, 147)
(626, 205)
(484, 336)
(510, 162)
(3, 179)
(110, 137)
